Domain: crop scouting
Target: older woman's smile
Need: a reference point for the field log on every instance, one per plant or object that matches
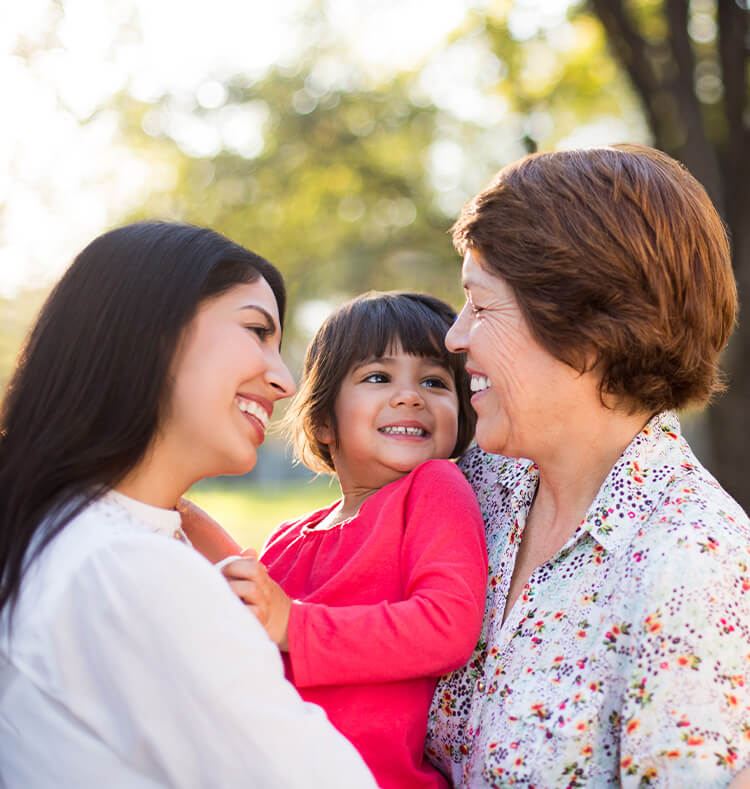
(479, 382)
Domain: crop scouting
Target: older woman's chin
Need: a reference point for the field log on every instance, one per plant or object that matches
(492, 434)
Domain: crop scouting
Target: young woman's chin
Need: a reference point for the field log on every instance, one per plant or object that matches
(234, 465)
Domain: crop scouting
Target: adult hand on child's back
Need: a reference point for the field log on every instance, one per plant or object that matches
(250, 581)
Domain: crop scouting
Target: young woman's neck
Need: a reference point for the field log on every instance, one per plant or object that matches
(153, 482)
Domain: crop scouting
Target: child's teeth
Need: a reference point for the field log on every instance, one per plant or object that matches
(409, 431)
(479, 383)
(253, 408)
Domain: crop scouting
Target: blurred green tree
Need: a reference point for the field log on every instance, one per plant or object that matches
(689, 65)
(350, 183)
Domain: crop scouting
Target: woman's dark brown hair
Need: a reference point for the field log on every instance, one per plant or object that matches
(619, 262)
(93, 380)
(368, 327)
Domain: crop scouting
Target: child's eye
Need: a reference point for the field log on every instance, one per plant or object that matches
(376, 378)
(434, 381)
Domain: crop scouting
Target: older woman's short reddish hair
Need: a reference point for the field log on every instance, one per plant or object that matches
(620, 263)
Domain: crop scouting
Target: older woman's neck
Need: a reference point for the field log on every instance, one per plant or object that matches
(572, 473)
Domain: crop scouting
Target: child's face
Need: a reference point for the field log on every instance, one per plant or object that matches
(393, 413)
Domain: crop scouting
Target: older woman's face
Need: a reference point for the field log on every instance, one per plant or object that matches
(521, 391)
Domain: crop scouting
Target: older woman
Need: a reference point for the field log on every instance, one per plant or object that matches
(615, 647)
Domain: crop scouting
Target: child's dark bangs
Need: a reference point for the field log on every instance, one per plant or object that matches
(388, 323)
(426, 340)
(421, 331)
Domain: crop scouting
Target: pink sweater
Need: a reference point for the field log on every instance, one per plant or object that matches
(384, 604)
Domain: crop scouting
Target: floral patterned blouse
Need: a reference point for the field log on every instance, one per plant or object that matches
(626, 659)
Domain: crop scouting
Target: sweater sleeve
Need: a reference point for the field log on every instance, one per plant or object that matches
(158, 658)
(435, 627)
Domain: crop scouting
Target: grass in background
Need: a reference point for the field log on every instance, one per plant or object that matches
(250, 512)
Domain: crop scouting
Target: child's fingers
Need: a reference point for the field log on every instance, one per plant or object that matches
(250, 592)
(241, 568)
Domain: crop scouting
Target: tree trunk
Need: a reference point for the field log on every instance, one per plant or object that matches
(730, 450)
(720, 160)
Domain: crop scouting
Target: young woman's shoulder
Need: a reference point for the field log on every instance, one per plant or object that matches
(108, 573)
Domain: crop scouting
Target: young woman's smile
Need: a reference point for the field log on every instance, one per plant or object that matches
(257, 411)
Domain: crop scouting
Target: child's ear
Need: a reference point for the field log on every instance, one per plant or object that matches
(324, 433)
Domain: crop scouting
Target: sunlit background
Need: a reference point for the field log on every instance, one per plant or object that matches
(338, 138)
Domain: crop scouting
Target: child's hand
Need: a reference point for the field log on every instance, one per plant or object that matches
(262, 595)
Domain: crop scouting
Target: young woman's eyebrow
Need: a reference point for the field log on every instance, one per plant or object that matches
(266, 314)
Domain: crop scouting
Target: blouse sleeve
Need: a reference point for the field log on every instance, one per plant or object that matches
(685, 713)
(435, 627)
(157, 657)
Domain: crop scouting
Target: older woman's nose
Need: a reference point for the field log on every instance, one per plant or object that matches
(457, 338)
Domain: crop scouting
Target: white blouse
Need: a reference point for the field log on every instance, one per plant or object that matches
(131, 664)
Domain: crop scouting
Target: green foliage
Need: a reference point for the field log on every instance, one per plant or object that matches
(338, 197)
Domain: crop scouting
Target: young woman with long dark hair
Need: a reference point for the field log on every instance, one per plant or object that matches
(125, 660)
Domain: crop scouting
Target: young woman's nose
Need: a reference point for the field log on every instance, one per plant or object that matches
(457, 338)
(280, 379)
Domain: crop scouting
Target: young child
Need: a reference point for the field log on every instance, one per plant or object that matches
(373, 597)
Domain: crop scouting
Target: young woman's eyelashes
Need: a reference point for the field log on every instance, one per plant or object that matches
(263, 331)
(259, 321)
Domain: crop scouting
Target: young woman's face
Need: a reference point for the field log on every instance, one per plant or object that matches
(227, 375)
(393, 413)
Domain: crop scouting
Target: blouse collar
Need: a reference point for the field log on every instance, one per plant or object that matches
(161, 521)
(638, 482)
(632, 490)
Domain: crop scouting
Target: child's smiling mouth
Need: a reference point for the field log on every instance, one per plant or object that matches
(405, 430)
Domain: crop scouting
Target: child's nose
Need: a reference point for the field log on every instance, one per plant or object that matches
(408, 396)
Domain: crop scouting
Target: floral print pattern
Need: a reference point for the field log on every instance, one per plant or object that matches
(626, 659)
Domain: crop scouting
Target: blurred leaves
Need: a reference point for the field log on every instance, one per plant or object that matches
(348, 182)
